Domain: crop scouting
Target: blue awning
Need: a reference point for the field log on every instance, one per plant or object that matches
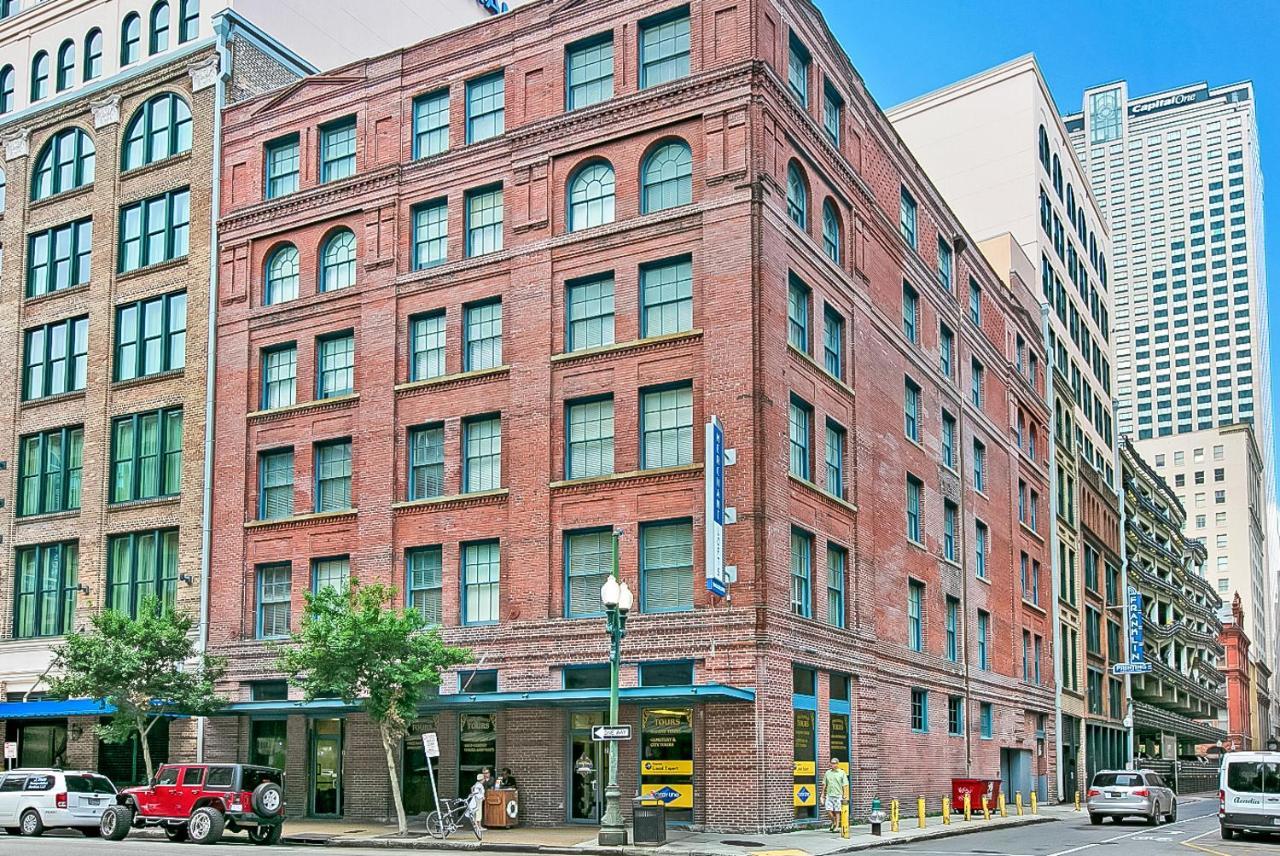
(674, 695)
(51, 708)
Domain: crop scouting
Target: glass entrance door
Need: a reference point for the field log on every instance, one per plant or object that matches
(326, 767)
(587, 770)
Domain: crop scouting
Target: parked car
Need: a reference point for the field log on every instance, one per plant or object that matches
(1249, 793)
(201, 801)
(1130, 793)
(34, 800)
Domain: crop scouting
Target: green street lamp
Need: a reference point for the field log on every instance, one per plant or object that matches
(617, 604)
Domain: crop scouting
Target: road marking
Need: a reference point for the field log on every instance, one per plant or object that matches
(1202, 848)
(1116, 838)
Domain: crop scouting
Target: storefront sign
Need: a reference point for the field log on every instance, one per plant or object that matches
(804, 767)
(1137, 646)
(673, 796)
(804, 795)
(666, 768)
(840, 739)
(714, 483)
(666, 756)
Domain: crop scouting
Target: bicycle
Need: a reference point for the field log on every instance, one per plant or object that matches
(454, 813)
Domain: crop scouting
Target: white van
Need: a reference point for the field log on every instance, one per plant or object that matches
(32, 801)
(1249, 793)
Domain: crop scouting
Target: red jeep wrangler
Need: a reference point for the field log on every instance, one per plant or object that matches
(200, 802)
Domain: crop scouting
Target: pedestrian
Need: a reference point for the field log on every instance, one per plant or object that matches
(487, 775)
(834, 782)
(475, 801)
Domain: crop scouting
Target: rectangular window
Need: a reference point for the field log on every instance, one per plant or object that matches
(979, 466)
(955, 715)
(832, 113)
(425, 583)
(801, 573)
(142, 564)
(950, 527)
(330, 573)
(589, 438)
(431, 124)
(484, 221)
(151, 336)
(833, 342)
(835, 459)
(946, 277)
(482, 336)
(953, 630)
(980, 549)
(837, 563)
(1038, 654)
(485, 103)
(975, 302)
(798, 62)
(976, 378)
(283, 166)
(335, 364)
(666, 297)
(911, 410)
(915, 507)
(664, 48)
(910, 313)
(985, 719)
(481, 453)
(426, 346)
(589, 308)
(589, 72)
(426, 462)
(431, 234)
(919, 710)
(946, 351)
(915, 615)
(59, 257)
(146, 455)
(47, 583)
(800, 431)
(279, 376)
(155, 230)
(275, 484)
(1092, 630)
(984, 640)
(666, 427)
(55, 358)
(338, 150)
(49, 471)
(907, 218)
(588, 560)
(275, 590)
(333, 476)
(798, 314)
(666, 567)
(948, 440)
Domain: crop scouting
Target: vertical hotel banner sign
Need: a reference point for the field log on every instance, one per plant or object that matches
(713, 475)
(1137, 660)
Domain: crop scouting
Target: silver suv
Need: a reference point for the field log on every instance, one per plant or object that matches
(34, 800)
(1130, 793)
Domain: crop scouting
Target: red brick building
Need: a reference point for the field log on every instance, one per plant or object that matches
(478, 299)
(1235, 668)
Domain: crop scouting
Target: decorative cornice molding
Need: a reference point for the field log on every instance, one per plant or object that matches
(274, 210)
(452, 381)
(632, 478)
(300, 520)
(453, 503)
(653, 343)
(319, 405)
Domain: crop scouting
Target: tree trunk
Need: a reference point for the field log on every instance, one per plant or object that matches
(143, 729)
(388, 744)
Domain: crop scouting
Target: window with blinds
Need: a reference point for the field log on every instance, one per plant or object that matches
(800, 436)
(482, 454)
(801, 573)
(480, 579)
(588, 563)
(330, 573)
(333, 476)
(666, 427)
(666, 567)
(589, 304)
(589, 444)
(837, 560)
(275, 584)
(431, 124)
(337, 360)
(430, 234)
(146, 455)
(666, 297)
(427, 338)
(482, 333)
(426, 462)
(484, 221)
(425, 583)
(275, 484)
(279, 376)
(835, 459)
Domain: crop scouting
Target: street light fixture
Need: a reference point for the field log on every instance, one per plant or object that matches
(617, 601)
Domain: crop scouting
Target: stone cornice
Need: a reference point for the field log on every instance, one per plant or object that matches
(453, 381)
(319, 405)
(632, 478)
(300, 520)
(453, 502)
(275, 210)
(653, 343)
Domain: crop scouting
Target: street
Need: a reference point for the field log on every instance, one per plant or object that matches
(71, 844)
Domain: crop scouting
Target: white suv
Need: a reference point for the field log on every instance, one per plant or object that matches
(32, 801)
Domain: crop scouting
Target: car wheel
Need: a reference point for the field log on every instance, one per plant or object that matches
(1095, 819)
(266, 835)
(30, 823)
(1227, 834)
(1153, 819)
(115, 822)
(267, 799)
(1173, 812)
(205, 825)
(176, 833)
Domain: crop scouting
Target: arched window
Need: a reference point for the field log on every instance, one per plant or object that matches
(93, 55)
(282, 275)
(666, 178)
(1071, 204)
(65, 163)
(591, 196)
(831, 231)
(188, 20)
(1044, 148)
(66, 65)
(797, 196)
(1057, 176)
(159, 27)
(338, 261)
(1034, 441)
(161, 128)
(6, 89)
(130, 39)
(39, 76)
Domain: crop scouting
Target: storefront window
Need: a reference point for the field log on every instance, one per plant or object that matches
(804, 715)
(838, 708)
(326, 771)
(666, 674)
(122, 763)
(417, 790)
(40, 744)
(477, 747)
(666, 759)
(588, 759)
(268, 743)
(586, 677)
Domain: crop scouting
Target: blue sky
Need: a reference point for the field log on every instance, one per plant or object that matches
(905, 48)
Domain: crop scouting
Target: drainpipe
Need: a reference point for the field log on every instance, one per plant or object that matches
(222, 28)
(1054, 551)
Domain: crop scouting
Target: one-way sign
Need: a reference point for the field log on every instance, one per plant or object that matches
(606, 733)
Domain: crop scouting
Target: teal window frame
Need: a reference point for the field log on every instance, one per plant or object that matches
(953, 630)
(800, 438)
(50, 471)
(486, 106)
(482, 453)
(955, 715)
(910, 313)
(588, 562)
(330, 572)
(833, 454)
(338, 260)
(919, 710)
(484, 220)
(481, 583)
(833, 342)
(482, 335)
(131, 39)
(67, 161)
(431, 124)
(830, 231)
(333, 464)
(801, 573)
(428, 337)
(837, 569)
(430, 233)
(335, 364)
(984, 640)
(666, 177)
(92, 66)
(133, 458)
(908, 218)
(132, 350)
(799, 300)
(158, 34)
(55, 358)
(158, 575)
(832, 113)
(666, 566)
(915, 509)
(589, 435)
(164, 219)
(188, 20)
(66, 66)
(338, 143)
(46, 587)
(282, 275)
(950, 531)
(426, 461)
(59, 257)
(589, 312)
(424, 583)
(40, 76)
(915, 615)
(273, 600)
(276, 476)
(663, 43)
(981, 537)
(160, 129)
(797, 196)
(666, 297)
(282, 165)
(799, 65)
(911, 409)
(588, 71)
(7, 89)
(666, 426)
(279, 376)
(949, 433)
(985, 718)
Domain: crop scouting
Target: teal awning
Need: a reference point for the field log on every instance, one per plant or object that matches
(675, 695)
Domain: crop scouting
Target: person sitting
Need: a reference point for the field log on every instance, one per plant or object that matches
(506, 780)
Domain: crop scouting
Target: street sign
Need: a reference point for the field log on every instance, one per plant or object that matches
(10, 751)
(1137, 646)
(608, 733)
(431, 744)
(714, 501)
(1130, 668)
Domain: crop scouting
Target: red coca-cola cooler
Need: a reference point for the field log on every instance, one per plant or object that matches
(976, 789)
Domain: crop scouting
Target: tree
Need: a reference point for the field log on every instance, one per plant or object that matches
(352, 648)
(145, 667)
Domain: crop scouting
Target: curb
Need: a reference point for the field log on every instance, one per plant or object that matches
(965, 829)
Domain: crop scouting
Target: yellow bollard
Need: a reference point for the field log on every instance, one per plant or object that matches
(986, 808)
(1018, 799)
(844, 813)
(1035, 803)
(1004, 812)
(968, 808)
(946, 810)
(893, 815)
(920, 813)
(1077, 799)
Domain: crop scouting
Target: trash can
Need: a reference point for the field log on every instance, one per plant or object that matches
(648, 821)
(976, 789)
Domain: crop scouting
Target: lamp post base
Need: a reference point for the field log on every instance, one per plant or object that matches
(612, 836)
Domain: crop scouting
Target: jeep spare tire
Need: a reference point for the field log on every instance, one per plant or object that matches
(268, 798)
(115, 822)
